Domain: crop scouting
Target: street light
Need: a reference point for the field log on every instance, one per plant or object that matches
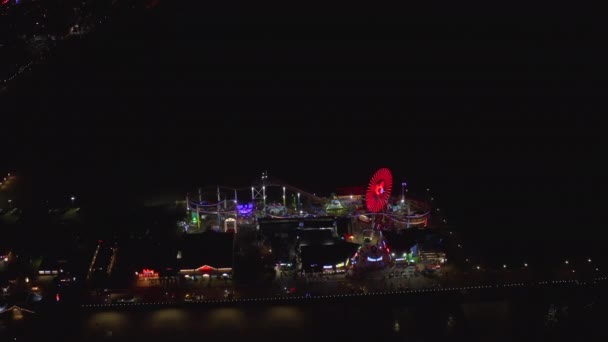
(567, 262)
(504, 266)
(525, 264)
(589, 260)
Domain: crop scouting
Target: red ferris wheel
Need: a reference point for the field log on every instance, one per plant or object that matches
(379, 190)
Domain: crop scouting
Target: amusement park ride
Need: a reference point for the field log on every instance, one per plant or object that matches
(374, 210)
(376, 206)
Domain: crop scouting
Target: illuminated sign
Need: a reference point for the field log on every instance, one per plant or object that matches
(148, 273)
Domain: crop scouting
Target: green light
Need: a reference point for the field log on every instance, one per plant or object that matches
(194, 216)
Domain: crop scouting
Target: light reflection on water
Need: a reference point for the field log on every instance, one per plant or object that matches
(180, 323)
(373, 320)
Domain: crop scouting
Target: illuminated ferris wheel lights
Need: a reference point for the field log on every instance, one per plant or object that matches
(379, 190)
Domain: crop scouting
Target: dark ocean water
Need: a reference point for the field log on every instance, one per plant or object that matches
(190, 94)
(520, 318)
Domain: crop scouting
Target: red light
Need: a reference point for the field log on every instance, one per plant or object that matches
(379, 190)
(4, 2)
(57, 297)
(205, 268)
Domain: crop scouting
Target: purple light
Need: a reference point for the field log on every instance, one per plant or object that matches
(245, 209)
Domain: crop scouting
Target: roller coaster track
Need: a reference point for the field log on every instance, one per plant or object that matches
(277, 182)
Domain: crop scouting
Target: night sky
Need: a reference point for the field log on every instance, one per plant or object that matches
(500, 116)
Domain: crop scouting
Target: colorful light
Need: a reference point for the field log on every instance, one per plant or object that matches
(379, 190)
(245, 209)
